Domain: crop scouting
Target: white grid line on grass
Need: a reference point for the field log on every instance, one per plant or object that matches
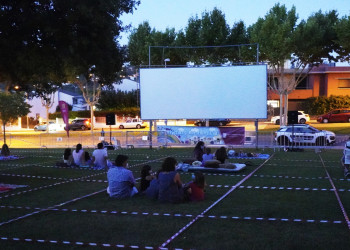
(77, 243)
(58, 205)
(46, 186)
(51, 207)
(114, 212)
(214, 204)
(337, 195)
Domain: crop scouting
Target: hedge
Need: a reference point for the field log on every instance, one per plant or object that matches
(130, 111)
(321, 104)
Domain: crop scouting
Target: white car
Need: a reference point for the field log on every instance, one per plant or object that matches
(302, 118)
(133, 123)
(303, 134)
(42, 126)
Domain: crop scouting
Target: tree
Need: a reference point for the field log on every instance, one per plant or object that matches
(343, 33)
(112, 100)
(139, 40)
(12, 106)
(306, 45)
(91, 90)
(55, 41)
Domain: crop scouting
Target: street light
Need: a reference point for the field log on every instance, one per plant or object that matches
(166, 60)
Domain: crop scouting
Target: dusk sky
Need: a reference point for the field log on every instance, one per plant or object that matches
(175, 14)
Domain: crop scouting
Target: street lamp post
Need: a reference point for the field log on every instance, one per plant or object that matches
(166, 60)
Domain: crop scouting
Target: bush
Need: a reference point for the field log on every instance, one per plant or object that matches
(129, 111)
(321, 104)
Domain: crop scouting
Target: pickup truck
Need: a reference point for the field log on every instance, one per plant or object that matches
(133, 123)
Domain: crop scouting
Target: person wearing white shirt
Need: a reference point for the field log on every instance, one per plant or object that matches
(99, 157)
(78, 155)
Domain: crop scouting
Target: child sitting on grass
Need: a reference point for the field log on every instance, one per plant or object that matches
(146, 177)
(208, 156)
(196, 187)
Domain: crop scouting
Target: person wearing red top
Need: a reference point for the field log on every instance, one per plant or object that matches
(196, 188)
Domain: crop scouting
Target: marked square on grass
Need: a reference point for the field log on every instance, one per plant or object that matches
(53, 195)
(280, 204)
(101, 228)
(227, 234)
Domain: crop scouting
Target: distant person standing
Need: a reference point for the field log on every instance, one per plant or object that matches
(78, 155)
(99, 157)
(121, 182)
(199, 151)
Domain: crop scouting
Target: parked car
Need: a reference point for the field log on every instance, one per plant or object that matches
(303, 134)
(133, 123)
(302, 118)
(336, 115)
(212, 122)
(80, 124)
(42, 126)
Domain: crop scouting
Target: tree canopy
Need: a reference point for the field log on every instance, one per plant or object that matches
(53, 41)
(12, 106)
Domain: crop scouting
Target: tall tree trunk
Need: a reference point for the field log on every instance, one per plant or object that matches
(92, 118)
(281, 109)
(286, 109)
(4, 133)
(47, 119)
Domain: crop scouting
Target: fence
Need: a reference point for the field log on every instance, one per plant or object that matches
(127, 139)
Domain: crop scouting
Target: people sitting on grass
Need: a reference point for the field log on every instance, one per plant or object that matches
(87, 160)
(99, 157)
(153, 190)
(146, 177)
(199, 151)
(221, 155)
(121, 182)
(68, 157)
(170, 185)
(207, 156)
(5, 151)
(346, 160)
(78, 155)
(196, 187)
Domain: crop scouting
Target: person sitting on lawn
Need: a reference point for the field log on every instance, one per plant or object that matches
(121, 182)
(208, 156)
(199, 151)
(153, 190)
(99, 157)
(68, 157)
(78, 155)
(221, 155)
(170, 185)
(346, 159)
(87, 160)
(146, 177)
(196, 187)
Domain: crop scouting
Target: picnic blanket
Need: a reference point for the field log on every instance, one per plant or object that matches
(260, 156)
(190, 168)
(8, 187)
(10, 157)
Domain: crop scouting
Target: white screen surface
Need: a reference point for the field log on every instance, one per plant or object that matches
(235, 92)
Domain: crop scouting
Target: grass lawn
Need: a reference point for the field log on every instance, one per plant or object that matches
(288, 203)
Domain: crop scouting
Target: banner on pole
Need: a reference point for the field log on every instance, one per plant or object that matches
(65, 114)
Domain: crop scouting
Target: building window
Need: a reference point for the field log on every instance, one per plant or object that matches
(303, 84)
(343, 83)
(75, 101)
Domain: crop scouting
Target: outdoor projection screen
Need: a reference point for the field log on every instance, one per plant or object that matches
(236, 92)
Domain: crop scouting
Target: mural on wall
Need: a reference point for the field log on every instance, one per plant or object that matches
(210, 135)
